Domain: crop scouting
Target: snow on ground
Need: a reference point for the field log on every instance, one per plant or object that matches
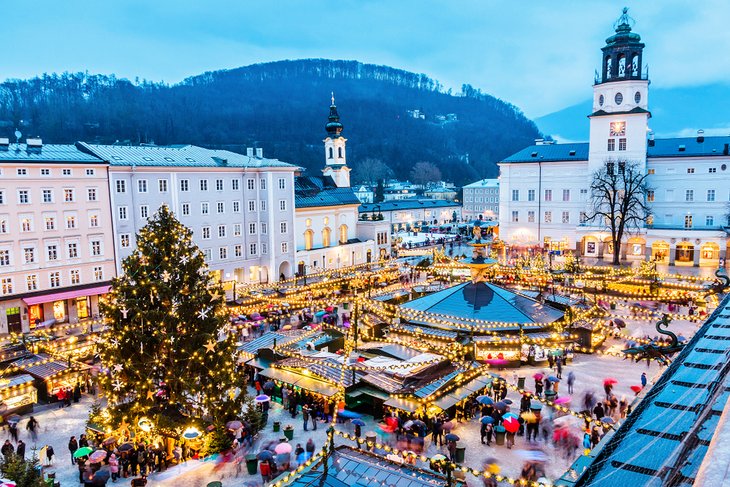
(57, 425)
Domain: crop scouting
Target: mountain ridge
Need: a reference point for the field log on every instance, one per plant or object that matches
(282, 107)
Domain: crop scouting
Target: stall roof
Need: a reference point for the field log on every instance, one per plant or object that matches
(348, 467)
(383, 381)
(37, 366)
(266, 341)
(406, 405)
(453, 397)
(307, 383)
(15, 381)
(327, 369)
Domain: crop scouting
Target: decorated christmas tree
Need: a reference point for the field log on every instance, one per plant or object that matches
(168, 358)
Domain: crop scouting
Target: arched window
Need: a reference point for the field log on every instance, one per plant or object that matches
(326, 233)
(343, 234)
(635, 65)
(331, 153)
(622, 65)
(339, 152)
(608, 67)
(308, 240)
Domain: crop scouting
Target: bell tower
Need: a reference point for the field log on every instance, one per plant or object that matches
(335, 149)
(620, 118)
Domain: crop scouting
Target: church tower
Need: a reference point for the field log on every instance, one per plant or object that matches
(334, 150)
(619, 122)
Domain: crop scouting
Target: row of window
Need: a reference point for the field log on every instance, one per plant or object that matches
(7, 284)
(688, 220)
(548, 194)
(690, 170)
(238, 251)
(547, 217)
(24, 196)
(50, 222)
(45, 171)
(481, 191)
(493, 199)
(30, 253)
(162, 185)
(689, 195)
(612, 144)
(326, 237)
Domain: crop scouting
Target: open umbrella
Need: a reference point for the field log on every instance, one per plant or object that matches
(419, 424)
(329, 309)
(438, 457)
(448, 426)
(101, 477)
(97, 456)
(501, 406)
(538, 376)
(234, 425)
(265, 455)
(636, 389)
(618, 322)
(507, 401)
(511, 425)
(262, 398)
(487, 420)
(408, 424)
(509, 415)
(283, 448)
(125, 447)
(82, 452)
(109, 441)
(535, 404)
(319, 314)
(607, 420)
(344, 413)
(562, 400)
(552, 378)
(13, 418)
(532, 455)
(7, 483)
(609, 381)
(358, 422)
(529, 416)
(485, 400)
(452, 437)
(497, 361)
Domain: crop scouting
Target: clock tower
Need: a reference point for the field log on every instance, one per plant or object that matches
(619, 122)
(334, 149)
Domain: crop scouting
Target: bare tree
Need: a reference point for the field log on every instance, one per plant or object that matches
(425, 172)
(618, 200)
(371, 170)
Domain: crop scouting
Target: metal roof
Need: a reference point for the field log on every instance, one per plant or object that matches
(16, 380)
(266, 341)
(349, 467)
(487, 302)
(551, 153)
(314, 191)
(175, 156)
(414, 204)
(671, 147)
(666, 438)
(47, 153)
(484, 183)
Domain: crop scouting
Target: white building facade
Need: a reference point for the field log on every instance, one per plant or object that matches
(56, 251)
(239, 207)
(545, 188)
(481, 200)
(409, 214)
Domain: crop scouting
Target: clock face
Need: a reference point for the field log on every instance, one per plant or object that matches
(618, 129)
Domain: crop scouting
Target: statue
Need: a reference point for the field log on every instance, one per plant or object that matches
(658, 352)
(477, 232)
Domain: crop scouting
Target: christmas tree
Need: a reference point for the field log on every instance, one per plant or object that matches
(167, 351)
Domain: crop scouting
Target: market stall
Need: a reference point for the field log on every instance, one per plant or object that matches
(18, 394)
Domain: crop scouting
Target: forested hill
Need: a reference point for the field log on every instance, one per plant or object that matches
(281, 107)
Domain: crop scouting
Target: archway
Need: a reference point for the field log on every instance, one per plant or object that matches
(326, 234)
(301, 268)
(636, 248)
(685, 253)
(343, 234)
(608, 248)
(369, 256)
(709, 254)
(660, 251)
(284, 269)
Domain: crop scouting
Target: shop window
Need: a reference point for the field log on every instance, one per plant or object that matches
(82, 307)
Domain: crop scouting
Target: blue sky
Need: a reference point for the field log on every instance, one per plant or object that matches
(538, 55)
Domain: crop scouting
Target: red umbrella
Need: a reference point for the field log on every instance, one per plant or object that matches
(610, 381)
(636, 389)
(329, 309)
(511, 424)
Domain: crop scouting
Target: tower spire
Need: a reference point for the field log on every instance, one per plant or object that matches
(333, 98)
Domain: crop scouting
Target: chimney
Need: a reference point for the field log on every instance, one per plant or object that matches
(249, 151)
(651, 139)
(34, 143)
(259, 153)
(700, 136)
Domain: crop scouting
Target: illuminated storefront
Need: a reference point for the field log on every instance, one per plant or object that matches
(18, 394)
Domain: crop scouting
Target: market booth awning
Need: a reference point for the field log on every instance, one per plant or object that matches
(406, 405)
(461, 393)
(307, 383)
(75, 293)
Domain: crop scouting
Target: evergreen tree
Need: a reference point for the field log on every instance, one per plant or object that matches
(24, 473)
(167, 352)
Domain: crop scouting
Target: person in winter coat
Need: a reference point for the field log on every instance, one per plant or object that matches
(114, 467)
(7, 450)
(83, 441)
(571, 381)
(32, 428)
(309, 447)
(73, 445)
(49, 454)
(538, 388)
(20, 450)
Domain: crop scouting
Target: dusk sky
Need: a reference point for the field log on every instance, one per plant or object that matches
(540, 56)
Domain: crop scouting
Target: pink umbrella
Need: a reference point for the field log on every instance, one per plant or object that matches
(283, 448)
(562, 400)
(97, 456)
(497, 361)
(448, 426)
(538, 376)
